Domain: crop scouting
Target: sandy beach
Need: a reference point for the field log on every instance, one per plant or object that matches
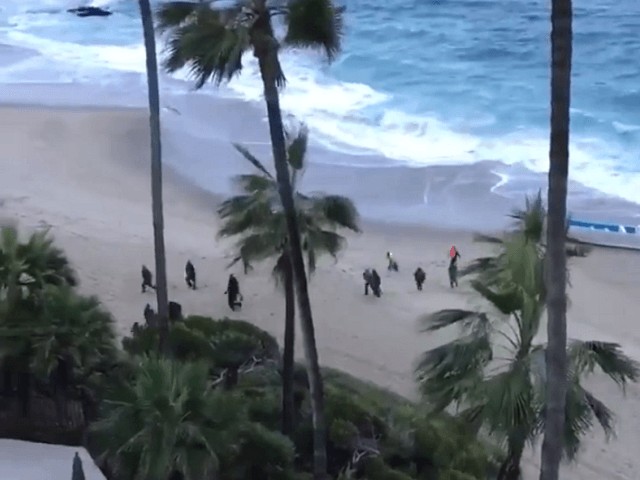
(85, 173)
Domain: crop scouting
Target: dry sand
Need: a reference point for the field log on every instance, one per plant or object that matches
(85, 173)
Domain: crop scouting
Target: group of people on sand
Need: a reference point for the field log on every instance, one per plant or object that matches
(372, 279)
(234, 297)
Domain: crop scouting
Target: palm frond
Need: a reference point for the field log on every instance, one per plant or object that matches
(448, 373)
(259, 246)
(445, 318)
(478, 265)
(315, 24)
(324, 241)
(244, 213)
(250, 184)
(481, 237)
(510, 403)
(251, 158)
(507, 302)
(531, 220)
(585, 356)
(174, 14)
(202, 41)
(297, 148)
(337, 210)
(581, 411)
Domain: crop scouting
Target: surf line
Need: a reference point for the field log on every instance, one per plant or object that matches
(608, 227)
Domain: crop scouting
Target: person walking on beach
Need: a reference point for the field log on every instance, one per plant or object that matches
(190, 275)
(147, 279)
(393, 265)
(419, 276)
(372, 280)
(233, 292)
(453, 267)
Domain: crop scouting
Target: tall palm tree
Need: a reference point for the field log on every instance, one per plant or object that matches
(258, 217)
(496, 375)
(211, 42)
(561, 46)
(162, 294)
(168, 424)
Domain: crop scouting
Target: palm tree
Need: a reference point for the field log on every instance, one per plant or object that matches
(70, 341)
(168, 424)
(561, 39)
(27, 269)
(156, 170)
(530, 222)
(258, 217)
(494, 373)
(211, 42)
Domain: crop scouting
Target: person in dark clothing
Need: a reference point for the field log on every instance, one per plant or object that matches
(190, 275)
(147, 279)
(233, 292)
(419, 277)
(372, 279)
(453, 268)
(149, 315)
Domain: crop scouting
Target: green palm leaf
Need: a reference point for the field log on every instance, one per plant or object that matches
(297, 148)
(448, 373)
(169, 419)
(585, 356)
(202, 40)
(446, 318)
(315, 24)
(256, 163)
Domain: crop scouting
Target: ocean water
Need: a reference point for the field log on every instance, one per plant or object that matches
(422, 82)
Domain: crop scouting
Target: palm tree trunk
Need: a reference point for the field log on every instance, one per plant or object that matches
(156, 171)
(268, 67)
(288, 406)
(561, 38)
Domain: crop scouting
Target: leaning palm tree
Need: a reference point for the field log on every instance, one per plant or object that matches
(496, 375)
(211, 42)
(561, 39)
(169, 423)
(257, 216)
(162, 294)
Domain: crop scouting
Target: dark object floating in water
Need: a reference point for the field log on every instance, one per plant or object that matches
(90, 12)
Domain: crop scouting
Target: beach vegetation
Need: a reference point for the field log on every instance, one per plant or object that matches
(257, 217)
(50, 336)
(211, 404)
(372, 433)
(210, 39)
(494, 374)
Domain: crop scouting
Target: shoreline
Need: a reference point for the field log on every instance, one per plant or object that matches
(85, 175)
(322, 179)
(470, 196)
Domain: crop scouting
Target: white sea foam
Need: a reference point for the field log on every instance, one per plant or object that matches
(338, 113)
